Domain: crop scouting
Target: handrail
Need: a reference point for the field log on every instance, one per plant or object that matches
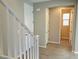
(13, 13)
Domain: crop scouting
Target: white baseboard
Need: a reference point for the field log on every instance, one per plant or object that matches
(75, 52)
(42, 46)
(7, 57)
(54, 42)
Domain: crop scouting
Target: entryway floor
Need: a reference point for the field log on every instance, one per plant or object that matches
(56, 51)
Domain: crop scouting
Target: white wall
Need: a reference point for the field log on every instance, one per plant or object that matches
(76, 38)
(39, 16)
(75, 30)
(76, 34)
(28, 16)
(29, 2)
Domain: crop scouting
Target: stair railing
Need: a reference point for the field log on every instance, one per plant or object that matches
(20, 42)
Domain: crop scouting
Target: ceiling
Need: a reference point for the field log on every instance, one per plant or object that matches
(36, 1)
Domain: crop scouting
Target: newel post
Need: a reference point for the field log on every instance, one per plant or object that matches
(37, 47)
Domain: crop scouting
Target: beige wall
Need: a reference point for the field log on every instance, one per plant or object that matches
(3, 29)
(17, 6)
(8, 25)
(39, 24)
(54, 25)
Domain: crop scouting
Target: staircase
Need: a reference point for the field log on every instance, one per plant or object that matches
(16, 41)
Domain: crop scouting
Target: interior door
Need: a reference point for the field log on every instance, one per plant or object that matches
(65, 30)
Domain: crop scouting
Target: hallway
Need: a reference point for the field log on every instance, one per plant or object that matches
(55, 51)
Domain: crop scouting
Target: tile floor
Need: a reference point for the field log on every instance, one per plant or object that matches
(55, 51)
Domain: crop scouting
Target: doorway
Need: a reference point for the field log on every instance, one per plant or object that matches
(66, 26)
(61, 25)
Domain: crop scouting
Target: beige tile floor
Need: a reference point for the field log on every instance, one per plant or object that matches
(55, 51)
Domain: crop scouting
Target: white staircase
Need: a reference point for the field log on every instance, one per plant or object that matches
(16, 41)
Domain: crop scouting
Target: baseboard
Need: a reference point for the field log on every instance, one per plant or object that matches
(75, 52)
(54, 42)
(42, 46)
(6, 57)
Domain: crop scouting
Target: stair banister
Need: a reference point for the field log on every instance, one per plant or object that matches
(32, 40)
